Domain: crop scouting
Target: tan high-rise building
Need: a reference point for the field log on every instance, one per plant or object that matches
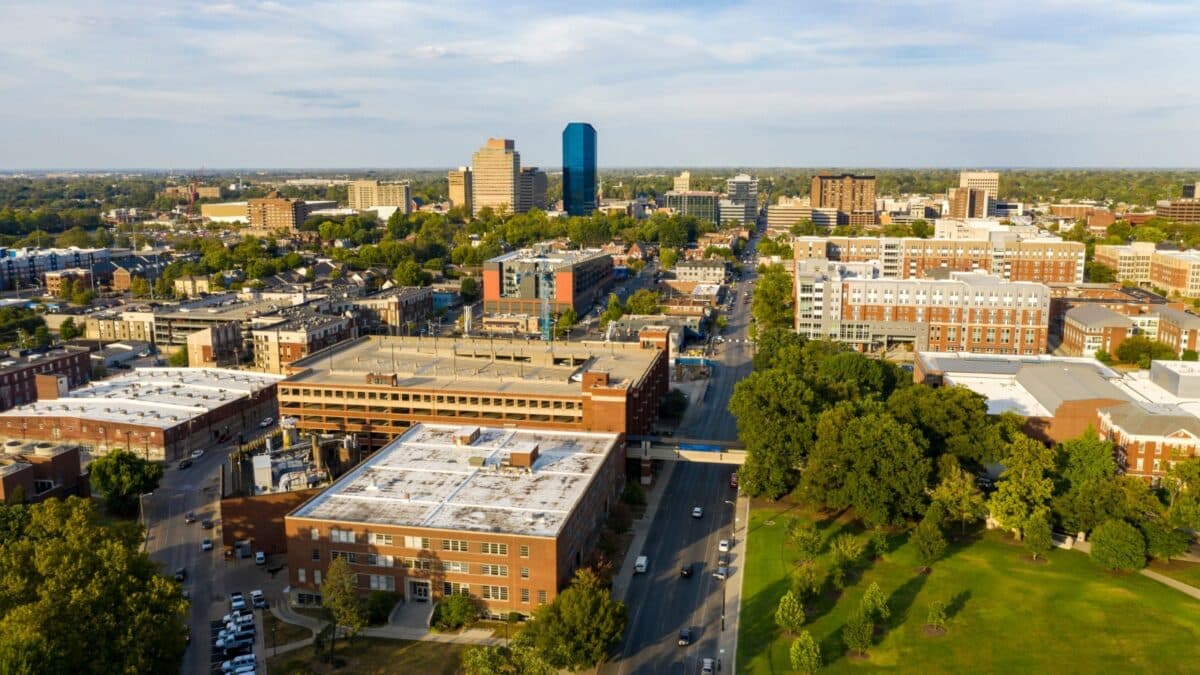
(967, 202)
(495, 176)
(368, 194)
(532, 192)
(275, 214)
(460, 187)
(683, 182)
(852, 196)
(981, 180)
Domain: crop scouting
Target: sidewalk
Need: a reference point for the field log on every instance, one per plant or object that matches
(1086, 547)
(727, 642)
(641, 532)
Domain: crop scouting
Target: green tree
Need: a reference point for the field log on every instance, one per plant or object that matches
(469, 289)
(857, 633)
(805, 654)
(41, 336)
(1099, 273)
(1163, 542)
(874, 604)
(954, 420)
(807, 581)
(1189, 355)
(67, 330)
(178, 358)
(1117, 545)
(500, 660)
(577, 629)
(1084, 458)
(959, 495)
(566, 321)
(789, 614)
(1182, 485)
(806, 538)
(1025, 487)
(643, 301)
(1037, 536)
(929, 541)
(674, 403)
(454, 612)
(139, 287)
(613, 311)
(409, 273)
(772, 304)
(78, 596)
(668, 257)
(1104, 357)
(123, 477)
(846, 549)
(339, 595)
(936, 616)
(879, 542)
(1141, 350)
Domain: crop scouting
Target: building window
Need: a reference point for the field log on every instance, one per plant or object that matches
(493, 592)
(524, 551)
(316, 554)
(488, 548)
(524, 572)
(524, 596)
(302, 575)
(382, 582)
(418, 564)
(455, 588)
(493, 570)
(381, 539)
(452, 566)
(459, 545)
(317, 577)
(341, 536)
(416, 542)
(541, 597)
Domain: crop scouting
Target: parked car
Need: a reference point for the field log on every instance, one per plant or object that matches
(723, 545)
(233, 664)
(258, 600)
(197, 454)
(241, 646)
(697, 512)
(260, 558)
(180, 574)
(237, 601)
(686, 570)
(190, 517)
(206, 545)
(206, 524)
(685, 637)
(721, 573)
(708, 667)
(185, 463)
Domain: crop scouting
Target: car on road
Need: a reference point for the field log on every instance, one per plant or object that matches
(206, 524)
(206, 545)
(190, 517)
(267, 422)
(237, 601)
(721, 573)
(640, 565)
(260, 558)
(697, 512)
(180, 574)
(708, 667)
(723, 546)
(733, 480)
(185, 464)
(686, 570)
(685, 637)
(258, 600)
(197, 454)
(723, 560)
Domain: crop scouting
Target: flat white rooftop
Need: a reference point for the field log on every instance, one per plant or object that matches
(154, 397)
(1003, 394)
(423, 479)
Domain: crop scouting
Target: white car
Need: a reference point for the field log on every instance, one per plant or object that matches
(697, 512)
(723, 546)
(260, 558)
(708, 667)
(197, 454)
(238, 662)
(267, 422)
(206, 545)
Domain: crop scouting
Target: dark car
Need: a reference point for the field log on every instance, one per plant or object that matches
(189, 518)
(206, 524)
(685, 637)
(686, 570)
(180, 574)
(185, 463)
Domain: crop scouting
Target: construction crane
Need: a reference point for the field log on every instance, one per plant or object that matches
(545, 277)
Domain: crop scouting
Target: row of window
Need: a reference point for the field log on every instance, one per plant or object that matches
(433, 398)
(381, 539)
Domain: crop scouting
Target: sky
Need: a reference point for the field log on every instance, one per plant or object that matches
(856, 83)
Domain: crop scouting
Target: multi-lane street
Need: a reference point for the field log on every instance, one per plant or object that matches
(176, 544)
(661, 601)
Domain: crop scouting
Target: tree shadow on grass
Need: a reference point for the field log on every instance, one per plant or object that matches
(757, 628)
(901, 600)
(957, 603)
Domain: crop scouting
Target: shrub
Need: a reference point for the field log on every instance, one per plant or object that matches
(936, 616)
(633, 494)
(805, 538)
(789, 615)
(1117, 545)
(454, 612)
(379, 606)
(807, 581)
(857, 633)
(805, 654)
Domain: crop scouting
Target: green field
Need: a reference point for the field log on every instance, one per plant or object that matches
(1006, 614)
(374, 656)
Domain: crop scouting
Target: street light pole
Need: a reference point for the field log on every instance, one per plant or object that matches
(142, 519)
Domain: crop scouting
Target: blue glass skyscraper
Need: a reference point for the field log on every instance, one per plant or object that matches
(579, 168)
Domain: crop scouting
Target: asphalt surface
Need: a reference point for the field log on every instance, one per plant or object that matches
(175, 544)
(661, 601)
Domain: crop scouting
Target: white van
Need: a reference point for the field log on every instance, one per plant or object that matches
(639, 565)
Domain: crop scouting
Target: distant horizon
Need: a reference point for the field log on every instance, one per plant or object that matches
(202, 171)
(864, 83)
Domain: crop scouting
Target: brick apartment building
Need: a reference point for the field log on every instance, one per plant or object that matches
(1176, 272)
(391, 311)
(215, 346)
(969, 312)
(503, 515)
(35, 472)
(1150, 438)
(377, 387)
(77, 275)
(1091, 328)
(1178, 329)
(1136, 303)
(19, 372)
(1039, 260)
(852, 196)
(278, 345)
(516, 282)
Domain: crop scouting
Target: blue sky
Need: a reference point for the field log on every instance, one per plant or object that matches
(415, 84)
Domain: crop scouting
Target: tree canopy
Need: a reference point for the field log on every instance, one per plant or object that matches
(122, 477)
(576, 630)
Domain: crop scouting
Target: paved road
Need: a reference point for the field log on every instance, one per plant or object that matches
(661, 602)
(176, 544)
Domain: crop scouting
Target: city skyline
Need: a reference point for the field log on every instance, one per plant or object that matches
(321, 84)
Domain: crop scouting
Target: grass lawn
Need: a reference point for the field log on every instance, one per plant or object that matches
(1006, 613)
(282, 632)
(1187, 572)
(375, 656)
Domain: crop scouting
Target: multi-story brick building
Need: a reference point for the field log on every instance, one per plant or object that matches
(19, 372)
(1179, 210)
(1150, 438)
(77, 276)
(271, 215)
(1137, 304)
(368, 194)
(1013, 259)
(1178, 329)
(1091, 328)
(215, 346)
(503, 515)
(35, 472)
(968, 312)
(280, 344)
(968, 202)
(27, 267)
(702, 271)
(136, 267)
(852, 196)
(1130, 262)
(392, 312)
(378, 387)
(1177, 272)
(161, 413)
(460, 184)
(516, 282)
